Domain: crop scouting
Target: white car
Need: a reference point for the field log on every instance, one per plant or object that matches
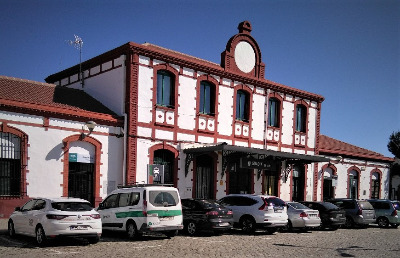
(251, 211)
(302, 217)
(48, 218)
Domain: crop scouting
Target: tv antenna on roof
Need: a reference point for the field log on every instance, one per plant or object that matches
(78, 43)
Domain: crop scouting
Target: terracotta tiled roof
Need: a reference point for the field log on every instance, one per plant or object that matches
(36, 93)
(331, 146)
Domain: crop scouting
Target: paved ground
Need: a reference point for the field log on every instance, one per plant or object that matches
(365, 242)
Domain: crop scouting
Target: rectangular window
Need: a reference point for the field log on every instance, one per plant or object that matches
(205, 98)
(300, 118)
(165, 89)
(241, 106)
(273, 113)
(10, 164)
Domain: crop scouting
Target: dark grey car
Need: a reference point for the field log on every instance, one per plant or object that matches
(358, 212)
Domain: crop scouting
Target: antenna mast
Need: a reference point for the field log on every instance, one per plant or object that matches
(78, 43)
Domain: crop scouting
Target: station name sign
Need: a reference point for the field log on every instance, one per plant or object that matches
(253, 163)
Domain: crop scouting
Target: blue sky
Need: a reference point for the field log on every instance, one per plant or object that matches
(345, 50)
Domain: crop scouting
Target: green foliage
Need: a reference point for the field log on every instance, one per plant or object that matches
(394, 144)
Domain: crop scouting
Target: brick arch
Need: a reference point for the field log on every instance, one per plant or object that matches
(334, 171)
(248, 91)
(355, 168)
(375, 170)
(96, 187)
(8, 203)
(164, 146)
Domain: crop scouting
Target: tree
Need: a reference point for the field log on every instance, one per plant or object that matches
(394, 144)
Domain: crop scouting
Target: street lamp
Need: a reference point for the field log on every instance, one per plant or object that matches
(90, 125)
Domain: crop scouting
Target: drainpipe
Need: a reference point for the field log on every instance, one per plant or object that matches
(125, 144)
(266, 120)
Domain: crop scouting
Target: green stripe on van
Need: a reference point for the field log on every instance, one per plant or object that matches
(160, 213)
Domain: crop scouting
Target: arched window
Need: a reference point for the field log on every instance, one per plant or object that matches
(301, 118)
(207, 98)
(165, 89)
(375, 185)
(353, 184)
(10, 164)
(273, 112)
(242, 106)
(166, 158)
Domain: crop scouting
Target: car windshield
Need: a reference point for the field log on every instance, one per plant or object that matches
(297, 205)
(72, 206)
(163, 198)
(365, 205)
(209, 204)
(396, 205)
(330, 206)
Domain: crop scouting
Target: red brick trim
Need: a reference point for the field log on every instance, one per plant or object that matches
(96, 180)
(380, 182)
(324, 167)
(165, 146)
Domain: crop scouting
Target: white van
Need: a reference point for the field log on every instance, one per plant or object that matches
(142, 208)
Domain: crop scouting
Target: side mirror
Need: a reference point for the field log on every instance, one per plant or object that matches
(17, 209)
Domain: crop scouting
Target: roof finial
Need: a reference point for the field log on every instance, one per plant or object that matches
(244, 27)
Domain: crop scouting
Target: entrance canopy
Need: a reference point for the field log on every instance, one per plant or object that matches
(231, 152)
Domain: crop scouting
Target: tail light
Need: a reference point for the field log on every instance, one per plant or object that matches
(212, 213)
(56, 217)
(230, 213)
(359, 212)
(95, 216)
(394, 213)
(303, 215)
(265, 205)
(144, 211)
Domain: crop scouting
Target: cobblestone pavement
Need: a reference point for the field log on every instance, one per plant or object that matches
(366, 242)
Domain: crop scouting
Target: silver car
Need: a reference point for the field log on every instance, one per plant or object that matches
(358, 212)
(302, 217)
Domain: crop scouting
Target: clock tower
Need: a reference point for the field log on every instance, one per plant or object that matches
(242, 54)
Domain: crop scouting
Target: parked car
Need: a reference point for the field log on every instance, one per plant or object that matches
(251, 211)
(386, 212)
(358, 212)
(331, 215)
(207, 215)
(47, 218)
(301, 217)
(142, 208)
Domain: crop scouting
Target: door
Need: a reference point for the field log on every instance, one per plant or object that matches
(80, 181)
(270, 183)
(204, 177)
(328, 189)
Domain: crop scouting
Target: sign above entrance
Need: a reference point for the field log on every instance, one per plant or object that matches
(253, 163)
(81, 158)
(155, 173)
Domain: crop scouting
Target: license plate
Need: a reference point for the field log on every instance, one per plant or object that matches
(279, 211)
(78, 227)
(166, 218)
(224, 224)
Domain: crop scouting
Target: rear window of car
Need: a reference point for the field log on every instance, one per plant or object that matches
(72, 206)
(330, 206)
(297, 205)
(277, 202)
(209, 204)
(365, 205)
(163, 198)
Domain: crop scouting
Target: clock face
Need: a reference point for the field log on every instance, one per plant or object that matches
(245, 57)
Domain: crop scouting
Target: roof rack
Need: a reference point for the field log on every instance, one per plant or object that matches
(142, 185)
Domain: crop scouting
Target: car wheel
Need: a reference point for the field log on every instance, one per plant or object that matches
(349, 222)
(171, 233)
(93, 240)
(191, 228)
(131, 230)
(11, 229)
(248, 225)
(383, 222)
(335, 227)
(40, 236)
